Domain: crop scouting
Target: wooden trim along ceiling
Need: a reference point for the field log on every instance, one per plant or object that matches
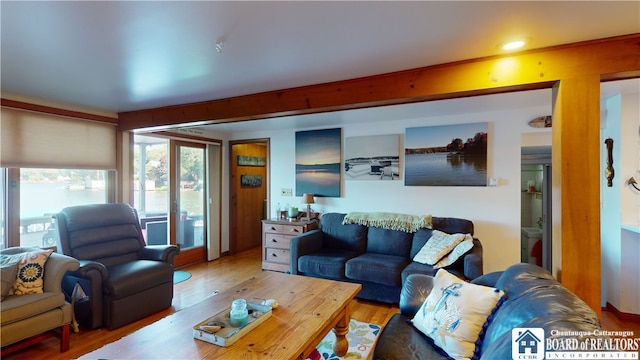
(613, 58)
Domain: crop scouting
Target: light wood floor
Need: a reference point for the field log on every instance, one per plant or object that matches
(208, 277)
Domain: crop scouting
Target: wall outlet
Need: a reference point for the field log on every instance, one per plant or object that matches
(286, 192)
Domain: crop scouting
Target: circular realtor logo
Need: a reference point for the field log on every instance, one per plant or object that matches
(534, 344)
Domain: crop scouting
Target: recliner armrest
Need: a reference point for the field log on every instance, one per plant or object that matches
(90, 269)
(164, 253)
(414, 292)
(304, 244)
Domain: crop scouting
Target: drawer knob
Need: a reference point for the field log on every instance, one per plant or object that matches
(273, 229)
(294, 230)
(274, 254)
(274, 240)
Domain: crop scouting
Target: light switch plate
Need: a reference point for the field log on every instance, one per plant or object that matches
(286, 192)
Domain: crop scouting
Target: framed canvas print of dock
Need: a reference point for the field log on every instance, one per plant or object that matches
(372, 157)
(447, 155)
(318, 159)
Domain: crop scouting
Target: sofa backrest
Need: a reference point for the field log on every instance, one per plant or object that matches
(389, 242)
(534, 299)
(106, 233)
(351, 237)
(448, 225)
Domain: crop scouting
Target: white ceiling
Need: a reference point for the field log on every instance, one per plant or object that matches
(129, 55)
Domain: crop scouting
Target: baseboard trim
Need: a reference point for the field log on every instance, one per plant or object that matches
(621, 315)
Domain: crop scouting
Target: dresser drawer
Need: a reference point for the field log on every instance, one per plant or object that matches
(272, 228)
(283, 229)
(292, 230)
(280, 256)
(278, 241)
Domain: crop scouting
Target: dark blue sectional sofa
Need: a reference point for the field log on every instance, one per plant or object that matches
(378, 259)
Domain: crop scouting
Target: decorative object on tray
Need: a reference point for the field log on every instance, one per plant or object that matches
(362, 337)
(389, 221)
(219, 330)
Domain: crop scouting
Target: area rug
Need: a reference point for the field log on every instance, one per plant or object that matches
(180, 276)
(362, 337)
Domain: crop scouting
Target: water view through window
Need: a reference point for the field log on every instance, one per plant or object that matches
(44, 192)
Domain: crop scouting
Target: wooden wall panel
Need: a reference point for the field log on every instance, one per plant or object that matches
(576, 152)
(247, 203)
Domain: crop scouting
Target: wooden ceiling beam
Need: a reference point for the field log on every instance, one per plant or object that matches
(612, 59)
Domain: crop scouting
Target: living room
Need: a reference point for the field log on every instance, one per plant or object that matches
(494, 210)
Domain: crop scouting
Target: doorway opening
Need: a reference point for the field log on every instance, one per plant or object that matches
(249, 189)
(172, 194)
(535, 203)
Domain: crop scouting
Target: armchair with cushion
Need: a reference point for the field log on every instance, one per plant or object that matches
(33, 311)
(125, 279)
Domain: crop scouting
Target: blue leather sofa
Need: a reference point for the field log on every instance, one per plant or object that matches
(533, 299)
(378, 259)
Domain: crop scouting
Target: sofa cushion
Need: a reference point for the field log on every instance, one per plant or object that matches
(350, 237)
(457, 252)
(455, 312)
(417, 268)
(389, 242)
(377, 268)
(452, 225)
(420, 238)
(329, 263)
(20, 307)
(438, 246)
(136, 276)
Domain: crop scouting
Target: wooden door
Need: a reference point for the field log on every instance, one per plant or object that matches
(248, 187)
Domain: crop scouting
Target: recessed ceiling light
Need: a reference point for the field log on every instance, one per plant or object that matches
(513, 45)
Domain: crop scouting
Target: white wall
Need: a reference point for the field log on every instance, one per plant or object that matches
(620, 205)
(495, 211)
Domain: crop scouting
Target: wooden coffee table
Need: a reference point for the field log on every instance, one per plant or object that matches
(309, 309)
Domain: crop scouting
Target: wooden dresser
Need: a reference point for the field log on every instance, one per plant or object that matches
(276, 236)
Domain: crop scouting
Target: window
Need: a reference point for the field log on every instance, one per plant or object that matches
(43, 192)
(51, 161)
(151, 180)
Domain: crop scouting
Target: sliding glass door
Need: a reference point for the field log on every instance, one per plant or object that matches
(190, 195)
(170, 194)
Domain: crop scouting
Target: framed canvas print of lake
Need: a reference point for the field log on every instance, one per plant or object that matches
(372, 157)
(318, 159)
(446, 155)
